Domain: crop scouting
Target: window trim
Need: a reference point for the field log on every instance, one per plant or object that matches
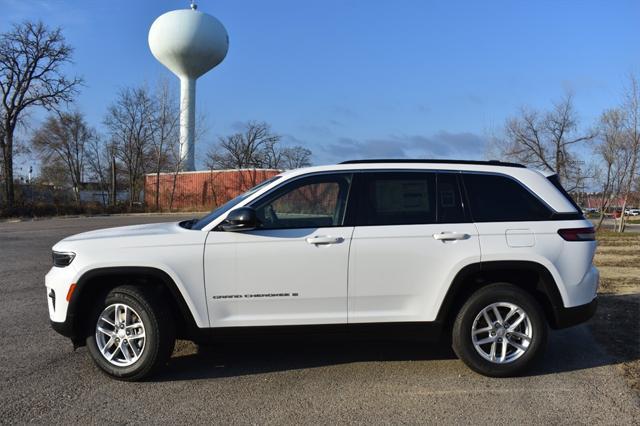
(461, 194)
(353, 200)
(362, 176)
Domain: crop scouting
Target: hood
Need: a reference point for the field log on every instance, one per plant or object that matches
(128, 231)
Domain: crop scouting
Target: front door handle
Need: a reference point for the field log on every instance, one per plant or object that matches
(324, 240)
(450, 236)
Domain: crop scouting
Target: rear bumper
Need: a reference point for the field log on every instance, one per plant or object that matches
(568, 317)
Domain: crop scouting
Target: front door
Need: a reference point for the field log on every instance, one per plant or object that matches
(293, 268)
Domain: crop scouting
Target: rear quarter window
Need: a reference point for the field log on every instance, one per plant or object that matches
(498, 198)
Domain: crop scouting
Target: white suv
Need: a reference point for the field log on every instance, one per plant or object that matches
(489, 253)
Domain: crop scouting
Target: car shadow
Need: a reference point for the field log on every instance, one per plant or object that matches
(226, 358)
(612, 336)
(576, 348)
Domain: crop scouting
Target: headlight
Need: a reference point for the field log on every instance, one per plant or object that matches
(62, 259)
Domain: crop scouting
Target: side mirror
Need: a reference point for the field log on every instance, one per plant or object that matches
(240, 219)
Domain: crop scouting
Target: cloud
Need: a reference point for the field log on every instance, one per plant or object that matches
(238, 126)
(423, 108)
(344, 112)
(53, 12)
(352, 148)
(475, 99)
(316, 130)
(443, 144)
(291, 140)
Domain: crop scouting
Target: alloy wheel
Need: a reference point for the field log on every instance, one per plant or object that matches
(502, 332)
(120, 335)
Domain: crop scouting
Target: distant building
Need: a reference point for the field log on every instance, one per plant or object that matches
(201, 190)
(594, 201)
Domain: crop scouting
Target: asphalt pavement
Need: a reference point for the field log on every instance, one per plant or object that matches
(318, 382)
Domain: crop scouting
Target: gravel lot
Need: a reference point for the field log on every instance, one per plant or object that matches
(45, 381)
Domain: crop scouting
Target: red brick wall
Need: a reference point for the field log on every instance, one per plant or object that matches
(201, 191)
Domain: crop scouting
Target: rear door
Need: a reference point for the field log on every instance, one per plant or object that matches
(412, 236)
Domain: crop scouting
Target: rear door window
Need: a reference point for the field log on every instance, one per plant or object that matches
(498, 198)
(398, 198)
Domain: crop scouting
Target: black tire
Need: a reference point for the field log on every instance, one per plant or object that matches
(159, 331)
(463, 344)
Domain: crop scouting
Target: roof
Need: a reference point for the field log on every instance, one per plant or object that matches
(435, 161)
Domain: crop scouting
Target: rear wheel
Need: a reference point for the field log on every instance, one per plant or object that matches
(131, 333)
(500, 331)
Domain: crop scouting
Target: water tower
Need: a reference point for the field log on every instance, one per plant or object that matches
(189, 43)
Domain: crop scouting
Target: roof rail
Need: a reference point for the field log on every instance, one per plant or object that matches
(432, 161)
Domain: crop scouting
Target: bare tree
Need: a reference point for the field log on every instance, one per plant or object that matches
(270, 156)
(99, 157)
(166, 125)
(65, 136)
(256, 147)
(252, 148)
(295, 157)
(546, 140)
(631, 107)
(53, 172)
(175, 161)
(129, 121)
(613, 153)
(32, 57)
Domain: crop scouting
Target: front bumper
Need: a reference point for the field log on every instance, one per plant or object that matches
(57, 283)
(62, 319)
(64, 328)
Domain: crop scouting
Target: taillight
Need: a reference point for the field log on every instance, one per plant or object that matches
(578, 234)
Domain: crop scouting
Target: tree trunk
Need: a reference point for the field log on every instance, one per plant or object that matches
(76, 195)
(131, 189)
(7, 154)
(599, 225)
(622, 216)
(173, 190)
(114, 193)
(158, 188)
(78, 178)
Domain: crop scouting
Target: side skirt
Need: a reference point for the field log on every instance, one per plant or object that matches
(424, 331)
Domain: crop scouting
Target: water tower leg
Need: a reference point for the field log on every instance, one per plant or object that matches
(187, 123)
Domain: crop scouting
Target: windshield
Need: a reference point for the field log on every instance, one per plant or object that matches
(201, 223)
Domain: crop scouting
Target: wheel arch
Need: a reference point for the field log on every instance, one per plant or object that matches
(531, 276)
(98, 282)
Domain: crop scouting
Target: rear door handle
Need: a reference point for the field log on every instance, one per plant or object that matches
(450, 236)
(324, 240)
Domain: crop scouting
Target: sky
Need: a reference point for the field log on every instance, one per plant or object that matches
(363, 78)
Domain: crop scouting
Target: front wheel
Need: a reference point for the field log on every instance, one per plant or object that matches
(500, 331)
(131, 333)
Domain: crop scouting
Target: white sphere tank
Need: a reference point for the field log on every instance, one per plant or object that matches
(189, 43)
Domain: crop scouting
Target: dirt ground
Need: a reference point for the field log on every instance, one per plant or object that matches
(617, 321)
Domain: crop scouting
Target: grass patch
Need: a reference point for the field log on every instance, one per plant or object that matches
(617, 320)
